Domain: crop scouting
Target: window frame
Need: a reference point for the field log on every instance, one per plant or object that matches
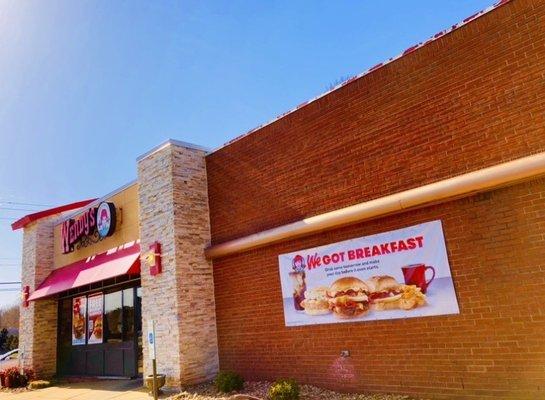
(104, 291)
(121, 314)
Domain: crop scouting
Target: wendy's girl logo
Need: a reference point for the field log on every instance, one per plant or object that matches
(298, 263)
(105, 219)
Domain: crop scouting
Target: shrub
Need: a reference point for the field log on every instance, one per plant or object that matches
(38, 384)
(14, 379)
(284, 389)
(29, 374)
(228, 381)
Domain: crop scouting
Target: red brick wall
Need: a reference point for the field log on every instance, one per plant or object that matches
(469, 100)
(472, 99)
(496, 249)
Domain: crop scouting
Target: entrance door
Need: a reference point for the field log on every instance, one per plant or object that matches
(117, 351)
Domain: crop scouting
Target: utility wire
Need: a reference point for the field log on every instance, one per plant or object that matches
(16, 209)
(10, 290)
(10, 283)
(16, 203)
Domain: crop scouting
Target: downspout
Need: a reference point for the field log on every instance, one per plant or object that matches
(486, 179)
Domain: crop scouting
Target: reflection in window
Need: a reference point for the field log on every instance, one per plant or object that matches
(113, 327)
(128, 313)
(138, 328)
(65, 323)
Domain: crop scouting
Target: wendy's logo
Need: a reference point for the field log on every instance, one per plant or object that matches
(94, 221)
(298, 263)
(105, 219)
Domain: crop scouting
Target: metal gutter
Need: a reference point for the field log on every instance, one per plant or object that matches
(486, 179)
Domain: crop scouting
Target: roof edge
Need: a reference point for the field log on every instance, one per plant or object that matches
(105, 197)
(175, 142)
(370, 70)
(29, 218)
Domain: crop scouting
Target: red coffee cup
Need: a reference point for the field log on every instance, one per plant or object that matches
(415, 274)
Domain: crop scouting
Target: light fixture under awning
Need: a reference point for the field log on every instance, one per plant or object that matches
(121, 260)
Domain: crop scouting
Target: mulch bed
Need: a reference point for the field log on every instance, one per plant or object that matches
(258, 390)
(14, 390)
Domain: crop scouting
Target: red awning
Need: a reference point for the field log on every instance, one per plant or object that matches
(115, 262)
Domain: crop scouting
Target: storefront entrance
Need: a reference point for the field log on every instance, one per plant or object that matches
(100, 332)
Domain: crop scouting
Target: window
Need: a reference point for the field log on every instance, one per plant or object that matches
(65, 322)
(117, 324)
(128, 313)
(113, 326)
(138, 308)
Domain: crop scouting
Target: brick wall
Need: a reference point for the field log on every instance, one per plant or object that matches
(469, 100)
(472, 99)
(496, 250)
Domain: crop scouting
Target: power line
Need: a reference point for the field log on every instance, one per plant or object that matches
(16, 209)
(10, 290)
(10, 283)
(16, 203)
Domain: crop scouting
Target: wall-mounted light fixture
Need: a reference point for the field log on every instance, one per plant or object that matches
(153, 259)
(25, 294)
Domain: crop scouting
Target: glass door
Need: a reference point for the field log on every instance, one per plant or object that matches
(111, 342)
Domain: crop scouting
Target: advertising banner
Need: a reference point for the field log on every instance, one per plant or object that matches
(79, 311)
(94, 318)
(397, 274)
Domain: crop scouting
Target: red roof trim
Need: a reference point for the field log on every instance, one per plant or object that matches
(27, 219)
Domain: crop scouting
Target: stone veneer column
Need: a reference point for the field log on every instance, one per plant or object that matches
(38, 321)
(174, 211)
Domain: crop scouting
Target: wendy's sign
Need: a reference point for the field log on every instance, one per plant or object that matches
(93, 225)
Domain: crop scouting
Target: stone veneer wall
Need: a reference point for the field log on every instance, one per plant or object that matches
(174, 211)
(38, 321)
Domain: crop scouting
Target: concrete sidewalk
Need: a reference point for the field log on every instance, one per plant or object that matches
(95, 390)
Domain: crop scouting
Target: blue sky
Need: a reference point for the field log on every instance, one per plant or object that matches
(87, 86)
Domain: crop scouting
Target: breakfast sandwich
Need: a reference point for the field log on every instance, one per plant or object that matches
(388, 294)
(348, 297)
(316, 302)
